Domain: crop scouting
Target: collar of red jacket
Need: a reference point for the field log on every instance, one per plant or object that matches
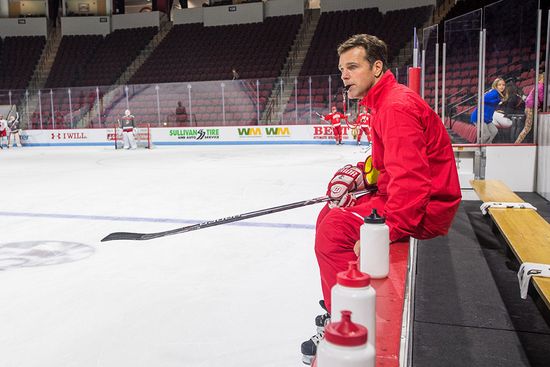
(372, 99)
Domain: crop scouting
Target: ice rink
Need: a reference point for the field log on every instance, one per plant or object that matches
(241, 294)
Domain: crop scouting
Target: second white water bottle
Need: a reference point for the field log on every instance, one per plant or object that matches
(375, 246)
(353, 292)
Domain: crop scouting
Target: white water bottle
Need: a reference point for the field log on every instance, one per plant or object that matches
(375, 246)
(353, 292)
(345, 345)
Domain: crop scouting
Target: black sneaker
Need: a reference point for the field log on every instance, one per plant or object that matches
(309, 347)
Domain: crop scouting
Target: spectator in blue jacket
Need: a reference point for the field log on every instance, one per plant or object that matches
(491, 100)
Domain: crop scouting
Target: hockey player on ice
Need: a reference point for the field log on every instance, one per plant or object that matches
(13, 124)
(128, 125)
(363, 125)
(335, 118)
(3, 132)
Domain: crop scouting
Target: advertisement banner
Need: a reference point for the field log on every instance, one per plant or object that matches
(269, 134)
(67, 137)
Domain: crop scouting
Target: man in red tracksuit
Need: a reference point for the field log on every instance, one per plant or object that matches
(418, 188)
(335, 119)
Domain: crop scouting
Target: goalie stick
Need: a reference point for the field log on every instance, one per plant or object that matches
(149, 236)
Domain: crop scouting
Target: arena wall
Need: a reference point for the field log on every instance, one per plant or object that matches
(85, 25)
(382, 5)
(234, 14)
(10, 27)
(135, 20)
(275, 8)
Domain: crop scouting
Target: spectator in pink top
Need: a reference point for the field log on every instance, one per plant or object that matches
(529, 108)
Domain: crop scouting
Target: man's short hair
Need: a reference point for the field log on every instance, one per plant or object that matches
(375, 48)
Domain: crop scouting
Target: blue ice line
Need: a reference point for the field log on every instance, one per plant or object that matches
(152, 220)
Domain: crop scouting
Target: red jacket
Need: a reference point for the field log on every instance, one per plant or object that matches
(418, 182)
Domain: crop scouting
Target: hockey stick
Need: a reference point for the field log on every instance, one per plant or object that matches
(115, 128)
(149, 236)
(9, 112)
(345, 102)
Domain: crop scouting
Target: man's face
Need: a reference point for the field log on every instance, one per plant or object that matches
(357, 72)
(333, 109)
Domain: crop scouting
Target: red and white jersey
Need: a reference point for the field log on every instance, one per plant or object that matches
(363, 119)
(335, 118)
(3, 125)
(363, 122)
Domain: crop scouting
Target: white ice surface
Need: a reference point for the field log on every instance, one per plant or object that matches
(231, 295)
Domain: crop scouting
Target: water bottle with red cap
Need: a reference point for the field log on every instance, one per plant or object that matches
(374, 254)
(354, 292)
(345, 345)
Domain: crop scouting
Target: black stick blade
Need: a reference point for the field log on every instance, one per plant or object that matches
(116, 236)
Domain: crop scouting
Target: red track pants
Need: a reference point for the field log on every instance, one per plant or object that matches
(337, 231)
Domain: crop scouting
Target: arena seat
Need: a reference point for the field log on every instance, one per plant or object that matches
(18, 59)
(463, 129)
(71, 59)
(256, 50)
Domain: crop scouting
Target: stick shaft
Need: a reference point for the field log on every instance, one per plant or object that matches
(216, 222)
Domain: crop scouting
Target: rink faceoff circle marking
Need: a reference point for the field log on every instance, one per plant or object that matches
(41, 253)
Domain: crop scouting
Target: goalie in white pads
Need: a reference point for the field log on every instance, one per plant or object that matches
(13, 124)
(128, 124)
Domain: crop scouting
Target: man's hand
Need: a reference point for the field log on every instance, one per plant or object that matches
(346, 180)
(357, 247)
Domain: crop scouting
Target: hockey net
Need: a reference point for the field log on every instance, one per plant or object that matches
(142, 134)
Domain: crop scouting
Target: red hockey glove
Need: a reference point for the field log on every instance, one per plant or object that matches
(346, 180)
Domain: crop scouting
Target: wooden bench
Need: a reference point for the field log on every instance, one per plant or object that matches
(525, 231)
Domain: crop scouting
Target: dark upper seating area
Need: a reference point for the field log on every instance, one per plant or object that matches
(397, 27)
(18, 59)
(89, 60)
(72, 57)
(394, 27)
(333, 29)
(192, 52)
(111, 58)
